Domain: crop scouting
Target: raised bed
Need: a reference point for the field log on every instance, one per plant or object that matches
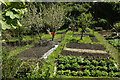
(38, 50)
(78, 66)
(85, 46)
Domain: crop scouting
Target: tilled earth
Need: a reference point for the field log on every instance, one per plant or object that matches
(84, 54)
(94, 39)
(85, 46)
(38, 50)
(14, 45)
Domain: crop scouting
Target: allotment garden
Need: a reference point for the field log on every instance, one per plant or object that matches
(51, 41)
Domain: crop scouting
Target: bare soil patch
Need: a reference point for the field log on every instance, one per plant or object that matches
(14, 45)
(79, 35)
(94, 39)
(84, 54)
(85, 46)
(38, 50)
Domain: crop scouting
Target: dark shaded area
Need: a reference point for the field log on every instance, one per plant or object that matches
(85, 46)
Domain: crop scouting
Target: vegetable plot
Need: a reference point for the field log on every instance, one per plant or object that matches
(78, 66)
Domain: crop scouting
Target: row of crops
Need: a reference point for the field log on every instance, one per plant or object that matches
(78, 66)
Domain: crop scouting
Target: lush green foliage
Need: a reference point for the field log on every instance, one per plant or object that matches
(87, 62)
(80, 73)
(74, 73)
(95, 63)
(88, 67)
(86, 72)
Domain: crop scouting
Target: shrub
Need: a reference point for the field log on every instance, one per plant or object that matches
(74, 73)
(93, 73)
(67, 66)
(75, 66)
(80, 73)
(67, 72)
(87, 62)
(60, 72)
(98, 73)
(92, 67)
(104, 73)
(61, 66)
(86, 67)
(102, 63)
(86, 72)
(95, 63)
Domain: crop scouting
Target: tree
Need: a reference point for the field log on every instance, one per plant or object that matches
(34, 19)
(85, 19)
(11, 12)
(54, 17)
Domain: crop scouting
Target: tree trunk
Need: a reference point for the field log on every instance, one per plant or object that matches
(82, 34)
(53, 35)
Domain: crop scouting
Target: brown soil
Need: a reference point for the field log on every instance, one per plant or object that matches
(94, 39)
(85, 46)
(84, 54)
(14, 45)
(79, 35)
(38, 50)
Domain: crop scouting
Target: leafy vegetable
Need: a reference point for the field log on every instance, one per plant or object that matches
(98, 73)
(61, 66)
(61, 72)
(93, 73)
(67, 66)
(80, 73)
(75, 66)
(95, 63)
(86, 72)
(104, 73)
(74, 73)
(87, 62)
(103, 63)
(67, 72)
